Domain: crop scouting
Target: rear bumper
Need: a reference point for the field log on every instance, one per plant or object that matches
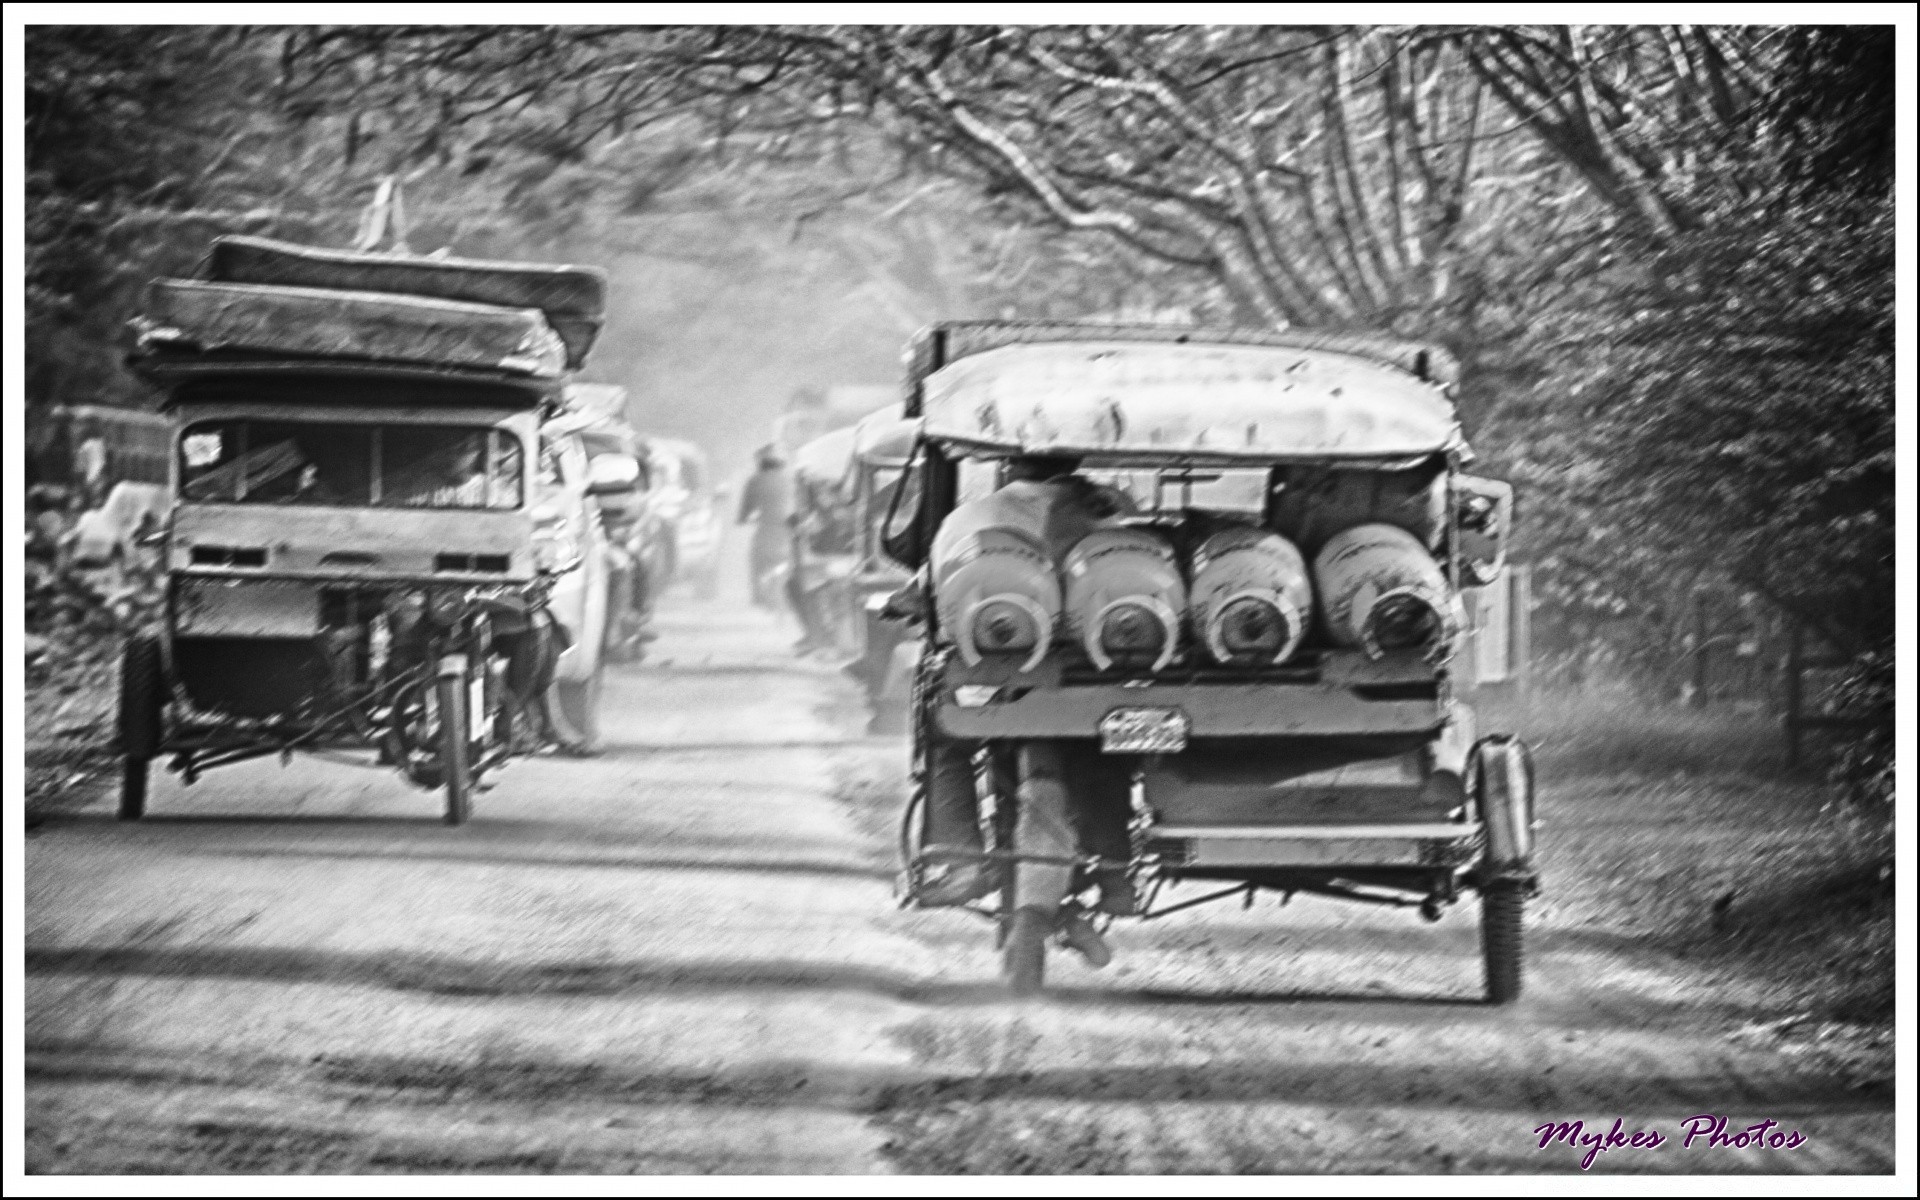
(1338, 693)
(1279, 846)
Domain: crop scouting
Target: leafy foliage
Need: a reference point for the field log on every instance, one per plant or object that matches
(1662, 252)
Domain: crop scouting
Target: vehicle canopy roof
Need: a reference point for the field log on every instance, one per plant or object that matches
(827, 458)
(885, 437)
(1118, 399)
(265, 308)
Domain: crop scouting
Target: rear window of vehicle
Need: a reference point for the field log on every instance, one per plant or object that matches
(246, 461)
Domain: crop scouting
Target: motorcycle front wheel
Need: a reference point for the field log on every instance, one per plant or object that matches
(456, 758)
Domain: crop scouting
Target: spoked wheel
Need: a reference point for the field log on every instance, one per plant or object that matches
(455, 738)
(141, 690)
(1503, 906)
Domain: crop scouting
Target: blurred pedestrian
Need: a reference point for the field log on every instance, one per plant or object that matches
(818, 569)
(90, 464)
(767, 500)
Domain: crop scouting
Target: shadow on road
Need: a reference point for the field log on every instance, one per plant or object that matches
(880, 1088)
(457, 855)
(447, 976)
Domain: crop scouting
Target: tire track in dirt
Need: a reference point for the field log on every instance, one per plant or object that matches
(1327, 1038)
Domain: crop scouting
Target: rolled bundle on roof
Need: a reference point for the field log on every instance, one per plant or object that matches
(190, 318)
(1125, 598)
(1252, 597)
(1380, 590)
(573, 299)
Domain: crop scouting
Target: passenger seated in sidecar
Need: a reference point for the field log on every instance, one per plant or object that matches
(1071, 801)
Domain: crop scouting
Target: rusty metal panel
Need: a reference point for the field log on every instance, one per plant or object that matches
(266, 608)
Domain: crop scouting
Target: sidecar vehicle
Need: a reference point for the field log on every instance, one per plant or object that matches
(358, 555)
(1260, 645)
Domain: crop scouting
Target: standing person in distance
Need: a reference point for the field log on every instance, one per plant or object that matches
(767, 501)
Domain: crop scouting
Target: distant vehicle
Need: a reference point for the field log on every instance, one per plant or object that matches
(639, 544)
(1260, 639)
(371, 540)
(566, 486)
(137, 442)
(683, 500)
(821, 564)
(883, 444)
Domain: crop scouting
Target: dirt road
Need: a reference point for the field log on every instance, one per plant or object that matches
(683, 957)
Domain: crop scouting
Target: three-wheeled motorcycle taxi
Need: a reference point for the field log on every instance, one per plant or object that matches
(356, 555)
(878, 450)
(1262, 637)
(883, 442)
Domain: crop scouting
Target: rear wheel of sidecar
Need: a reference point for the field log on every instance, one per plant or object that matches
(139, 718)
(456, 757)
(1503, 906)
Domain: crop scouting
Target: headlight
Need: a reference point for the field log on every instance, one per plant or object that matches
(447, 607)
(555, 550)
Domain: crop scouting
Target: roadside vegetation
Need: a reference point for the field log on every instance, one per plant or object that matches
(1663, 253)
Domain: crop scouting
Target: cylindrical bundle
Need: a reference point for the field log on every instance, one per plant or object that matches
(1380, 590)
(1252, 597)
(996, 593)
(1125, 598)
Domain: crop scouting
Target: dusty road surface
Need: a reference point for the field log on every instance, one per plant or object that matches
(683, 956)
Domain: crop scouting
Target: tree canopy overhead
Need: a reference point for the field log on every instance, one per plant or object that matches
(1662, 252)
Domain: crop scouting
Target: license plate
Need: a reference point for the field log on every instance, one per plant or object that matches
(1144, 731)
